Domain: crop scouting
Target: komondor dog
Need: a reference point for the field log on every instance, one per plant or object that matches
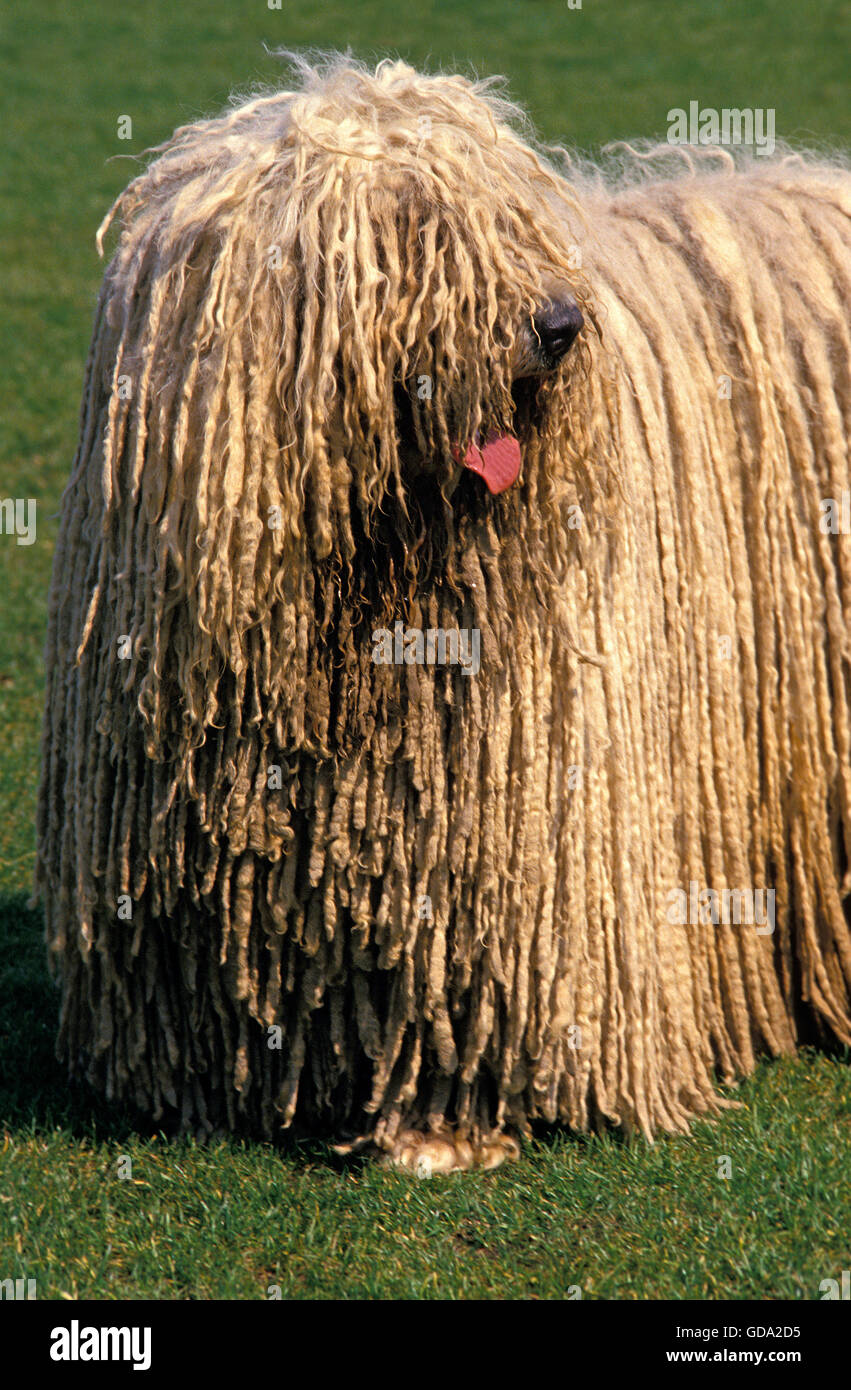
(449, 663)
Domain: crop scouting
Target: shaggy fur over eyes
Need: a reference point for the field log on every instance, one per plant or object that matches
(285, 884)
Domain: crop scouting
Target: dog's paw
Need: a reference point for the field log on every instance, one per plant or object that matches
(424, 1153)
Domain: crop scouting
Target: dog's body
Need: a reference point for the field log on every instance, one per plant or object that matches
(299, 865)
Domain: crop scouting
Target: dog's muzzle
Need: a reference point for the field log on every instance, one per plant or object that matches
(557, 326)
(496, 456)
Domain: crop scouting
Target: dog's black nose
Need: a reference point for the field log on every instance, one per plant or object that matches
(557, 326)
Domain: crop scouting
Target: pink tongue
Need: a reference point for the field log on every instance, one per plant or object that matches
(497, 460)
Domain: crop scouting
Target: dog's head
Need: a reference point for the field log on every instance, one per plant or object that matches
(338, 377)
(372, 278)
(434, 245)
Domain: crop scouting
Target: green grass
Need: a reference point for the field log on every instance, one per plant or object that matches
(620, 1220)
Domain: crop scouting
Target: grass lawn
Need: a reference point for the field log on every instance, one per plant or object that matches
(619, 1220)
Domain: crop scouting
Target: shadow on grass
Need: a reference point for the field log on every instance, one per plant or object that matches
(35, 1093)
